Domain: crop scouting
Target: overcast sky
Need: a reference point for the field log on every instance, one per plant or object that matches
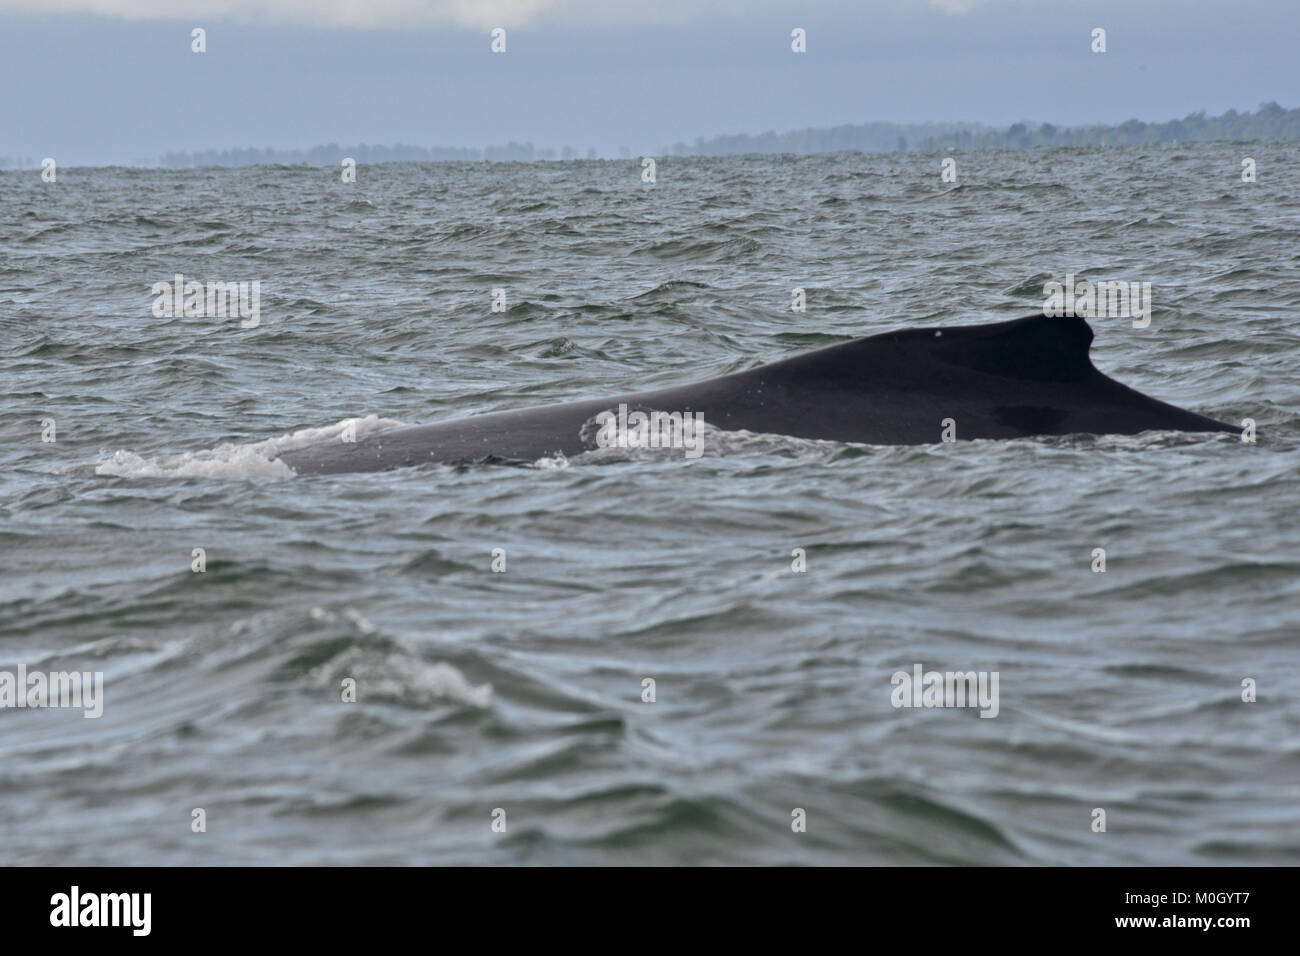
(101, 81)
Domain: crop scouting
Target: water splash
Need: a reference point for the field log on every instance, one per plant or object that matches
(255, 460)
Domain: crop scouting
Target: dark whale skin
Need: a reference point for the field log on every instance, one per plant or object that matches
(1013, 379)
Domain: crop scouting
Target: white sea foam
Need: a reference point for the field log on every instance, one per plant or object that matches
(400, 676)
(714, 442)
(255, 460)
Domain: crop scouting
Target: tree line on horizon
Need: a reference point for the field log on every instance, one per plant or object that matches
(1269, 122)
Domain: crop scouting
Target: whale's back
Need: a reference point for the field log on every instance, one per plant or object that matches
(1013, 379)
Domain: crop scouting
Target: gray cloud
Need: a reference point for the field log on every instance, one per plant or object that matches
(479, 14)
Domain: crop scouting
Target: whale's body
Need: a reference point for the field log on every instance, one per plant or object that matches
(1013, 379)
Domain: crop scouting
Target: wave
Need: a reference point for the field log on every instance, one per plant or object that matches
(255, 460)
(713, 442)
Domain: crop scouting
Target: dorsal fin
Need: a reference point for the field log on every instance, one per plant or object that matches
(1038, 348)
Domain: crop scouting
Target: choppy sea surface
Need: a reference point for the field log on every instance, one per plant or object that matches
(516, 697)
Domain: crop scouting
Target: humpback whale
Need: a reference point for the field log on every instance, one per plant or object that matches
(1013, 379)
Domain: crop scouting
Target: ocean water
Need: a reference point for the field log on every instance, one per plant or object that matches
(515, 697)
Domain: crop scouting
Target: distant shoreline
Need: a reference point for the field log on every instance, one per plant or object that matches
(1270, 122)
